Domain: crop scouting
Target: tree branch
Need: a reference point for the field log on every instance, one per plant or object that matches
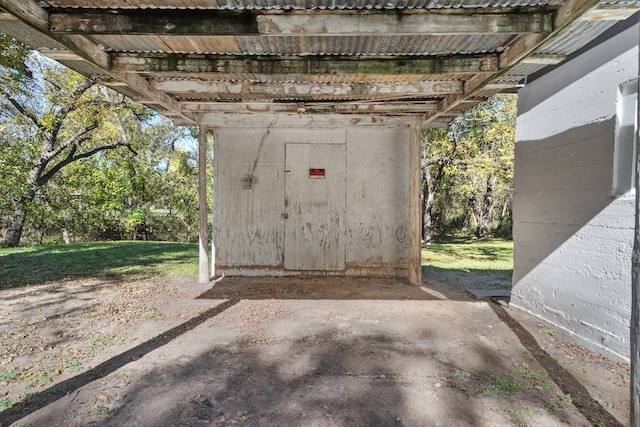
(72, 157)
(22, 110)
(69, 106)
(76, 140)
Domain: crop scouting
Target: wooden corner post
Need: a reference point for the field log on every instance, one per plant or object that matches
(203, 271)
(415, 257)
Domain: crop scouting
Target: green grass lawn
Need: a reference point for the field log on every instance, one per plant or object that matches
(469, 254)
(42, 264)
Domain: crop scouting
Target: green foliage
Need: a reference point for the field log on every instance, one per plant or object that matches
(80, 162)
(468, 171)
(13, 55)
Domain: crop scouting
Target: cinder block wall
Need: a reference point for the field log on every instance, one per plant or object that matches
(572, 237)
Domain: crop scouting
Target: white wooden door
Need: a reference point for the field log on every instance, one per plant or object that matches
(315, 207)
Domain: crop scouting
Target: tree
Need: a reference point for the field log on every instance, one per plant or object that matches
(467, 171)
(61, 117)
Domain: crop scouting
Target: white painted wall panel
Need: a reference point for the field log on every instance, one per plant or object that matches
(250, 226)
(572, 240)
(377, 198)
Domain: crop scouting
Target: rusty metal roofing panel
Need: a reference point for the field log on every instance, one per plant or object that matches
(577, 35)
(524, 69)
(297, 4)
(306, 45)
(176, 44)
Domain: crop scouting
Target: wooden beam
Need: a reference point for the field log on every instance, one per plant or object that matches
(611, 12)
(544, 59)
(200, 63)
(332, 22)
(291, 120)
(30, 12)
(566, 14)
(415, 238)
(405, 24)
(203, 271)
(299, 89)
(310, 108)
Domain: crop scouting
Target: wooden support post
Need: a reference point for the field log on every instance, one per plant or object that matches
(203, 276)
(415, 257)
(213, 211)
(635, 281)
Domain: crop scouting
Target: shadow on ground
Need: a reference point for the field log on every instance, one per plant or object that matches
(338, 352)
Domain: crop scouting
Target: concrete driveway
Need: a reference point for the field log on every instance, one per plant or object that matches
(361, 352)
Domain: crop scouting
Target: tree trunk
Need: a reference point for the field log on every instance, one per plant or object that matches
(19, 215)
(485, 212)
(468, 212)
(428, 196)
(16, 223)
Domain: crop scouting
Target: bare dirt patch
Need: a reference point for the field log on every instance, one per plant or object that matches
(312, 351)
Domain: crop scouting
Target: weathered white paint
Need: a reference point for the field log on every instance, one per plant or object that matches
(203, 235)
(314, 208)
(250, 222)
(572, 261)
(302, 120)
(298, 89)
(415, 190)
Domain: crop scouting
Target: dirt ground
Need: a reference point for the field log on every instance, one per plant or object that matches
(293, 352)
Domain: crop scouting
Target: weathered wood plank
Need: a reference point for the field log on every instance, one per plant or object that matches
(203, 271)
(566, 14)
(405, 24)
(331, 22)
(415, 255)
(176, 22)
(546, 59)
(29, 11)
(250, 121)
(198, 63)
(424, 88)
(310, 108)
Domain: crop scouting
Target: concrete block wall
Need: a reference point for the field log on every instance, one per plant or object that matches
(572, 237)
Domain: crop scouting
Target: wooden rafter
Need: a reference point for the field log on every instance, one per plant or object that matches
(30, 12)
(187, 88)
(520, 51)
(195, 63)
(227, 22)
(310, 107)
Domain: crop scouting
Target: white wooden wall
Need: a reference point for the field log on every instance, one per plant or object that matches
(250, 222)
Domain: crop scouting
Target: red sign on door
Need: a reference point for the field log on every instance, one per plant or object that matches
(316, 173)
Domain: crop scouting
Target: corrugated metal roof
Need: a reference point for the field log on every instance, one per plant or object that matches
(582, 32)
(306, 45)
(152, 53)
